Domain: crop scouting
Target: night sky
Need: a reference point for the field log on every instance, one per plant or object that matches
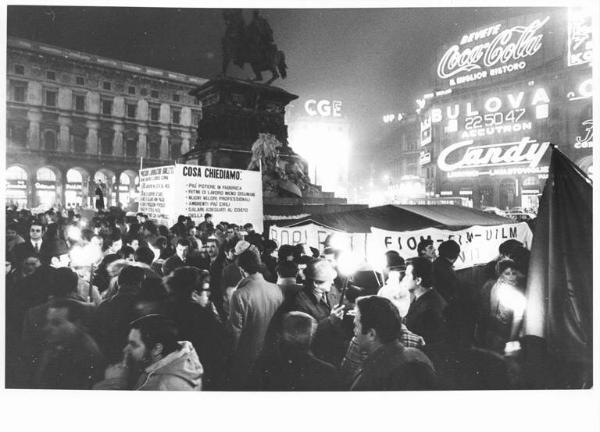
(374, 60)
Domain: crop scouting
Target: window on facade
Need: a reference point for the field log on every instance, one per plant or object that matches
(106, 107)
(106, 145)
(106, 85)
(155, 149)
(175, 97)
(19, 92)
(195, 118)
(51, 75)
(20, 69)
(131, 147)
(79, 103)
(79, 81)
(143, 92)
(175, 116)
(17, 134)
(131, 109)
(50, 140)
(79, 144)
(51, 96)
(196, 101)
(175, 150)
(154, 114)
(154, 94)
(131, 90)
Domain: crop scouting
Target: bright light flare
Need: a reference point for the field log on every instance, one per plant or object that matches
(82, 256)
(73, 233)
(348, 263)
(512, 299)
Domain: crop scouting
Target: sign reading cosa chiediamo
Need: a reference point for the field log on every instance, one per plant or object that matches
(230, 195)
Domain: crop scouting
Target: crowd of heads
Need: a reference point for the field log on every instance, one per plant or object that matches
(189, 272)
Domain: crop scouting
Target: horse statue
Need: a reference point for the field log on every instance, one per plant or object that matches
(252, 43)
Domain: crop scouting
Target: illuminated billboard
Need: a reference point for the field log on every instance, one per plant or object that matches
(498, 112)
(580, 37)
(501, 50)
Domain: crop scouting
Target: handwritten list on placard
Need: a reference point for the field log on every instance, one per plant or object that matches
(228, 194)
(155, 193)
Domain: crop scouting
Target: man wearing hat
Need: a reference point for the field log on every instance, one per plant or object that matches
(315, 299)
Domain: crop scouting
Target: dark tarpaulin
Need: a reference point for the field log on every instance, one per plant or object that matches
(560, 279)
(405, 218)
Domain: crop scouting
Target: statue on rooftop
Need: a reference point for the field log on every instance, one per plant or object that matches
(251, 43)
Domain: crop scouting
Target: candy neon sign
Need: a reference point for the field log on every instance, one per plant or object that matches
(525, 152)
(500, 50)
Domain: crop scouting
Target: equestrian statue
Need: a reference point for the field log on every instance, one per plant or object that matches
(252, 43)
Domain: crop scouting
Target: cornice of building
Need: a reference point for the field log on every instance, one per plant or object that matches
(105, 62)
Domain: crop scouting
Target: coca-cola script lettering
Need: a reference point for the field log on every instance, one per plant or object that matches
(502, 49)
(525, 152)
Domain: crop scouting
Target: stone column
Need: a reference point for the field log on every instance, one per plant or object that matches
(117, 191)
(92, 103)
(118, 139)
(165, 114)
(118, 108)
(31, 179)
(142, 141)
(185, 142)
(34, 116)
(65, 99)
(34, 93)
(64, 135)
(186, 116)
(92, 136)
(61, 187)
(142, 110)
(164, 143)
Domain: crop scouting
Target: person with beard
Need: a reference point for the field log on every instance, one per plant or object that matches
(154, 359)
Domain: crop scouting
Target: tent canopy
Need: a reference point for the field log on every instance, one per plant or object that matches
(405, 218)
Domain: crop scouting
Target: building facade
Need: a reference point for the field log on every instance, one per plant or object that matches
(75, 120)
(503, 94)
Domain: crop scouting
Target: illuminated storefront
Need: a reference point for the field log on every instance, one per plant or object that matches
(74, 188)
(46, 187)
(509, 90)
(16, 186)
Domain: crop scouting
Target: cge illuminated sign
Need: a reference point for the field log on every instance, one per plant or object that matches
(323, 108)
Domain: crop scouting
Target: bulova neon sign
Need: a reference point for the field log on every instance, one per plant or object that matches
(525, 152)
(502, 49)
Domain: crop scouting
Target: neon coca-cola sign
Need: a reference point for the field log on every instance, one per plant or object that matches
(511, 45)
(526, 152)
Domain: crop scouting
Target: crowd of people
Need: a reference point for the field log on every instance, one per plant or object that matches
(119, 302)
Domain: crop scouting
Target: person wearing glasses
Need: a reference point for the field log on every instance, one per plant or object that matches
(35, 245)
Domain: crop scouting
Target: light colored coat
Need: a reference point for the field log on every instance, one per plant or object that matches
(252, 307)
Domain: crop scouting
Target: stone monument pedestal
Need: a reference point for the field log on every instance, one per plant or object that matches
(234, 112)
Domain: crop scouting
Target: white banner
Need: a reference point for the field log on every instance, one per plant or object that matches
(478, 244)
(314, 235)
(230, 195)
